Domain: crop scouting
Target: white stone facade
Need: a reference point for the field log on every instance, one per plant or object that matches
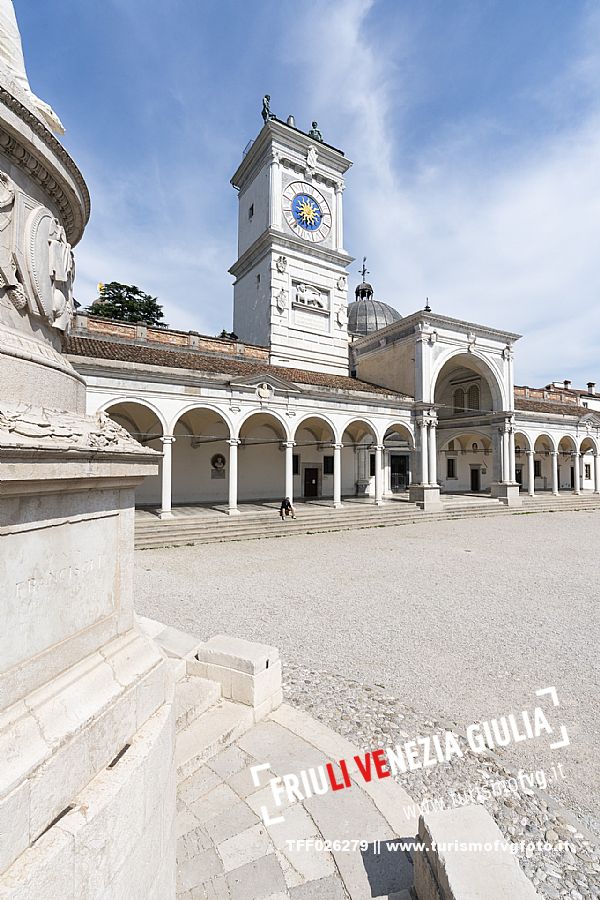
(290, 292)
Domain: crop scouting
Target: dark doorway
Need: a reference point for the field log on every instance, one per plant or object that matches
(519, 476)
(572, 478)
(398, 473)
(311, 482)
(475, 480)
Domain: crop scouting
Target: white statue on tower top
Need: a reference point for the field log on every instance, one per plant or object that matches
(11, 54)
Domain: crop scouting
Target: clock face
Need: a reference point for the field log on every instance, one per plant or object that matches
(306, 211)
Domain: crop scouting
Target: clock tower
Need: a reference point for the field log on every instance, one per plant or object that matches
(290, 290)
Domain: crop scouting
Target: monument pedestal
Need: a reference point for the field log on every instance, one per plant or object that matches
(87, 784)
(509, 494)
(426, 496)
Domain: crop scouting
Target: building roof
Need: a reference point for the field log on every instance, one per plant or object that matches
(555, 409)
(95, 348)
(367, 315)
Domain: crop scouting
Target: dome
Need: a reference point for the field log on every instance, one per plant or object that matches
(366, 315)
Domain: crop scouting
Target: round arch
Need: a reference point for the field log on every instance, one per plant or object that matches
(358, 428)
(468, 433)
(262, 455)
(547, 444)
(200, 408)
(146, 424)
(567, 444)
(259, 414)
(521, 437)
(311, 423)
(200, 455)
(135, 401)
(466, 461)
(402, 429)
(455, 360)
(592, 444)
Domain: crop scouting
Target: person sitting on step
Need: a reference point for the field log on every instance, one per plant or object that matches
(287, 509)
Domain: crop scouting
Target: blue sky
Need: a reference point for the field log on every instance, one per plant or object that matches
(474, 128)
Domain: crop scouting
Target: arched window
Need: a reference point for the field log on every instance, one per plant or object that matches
(459, 400)
(473, 397)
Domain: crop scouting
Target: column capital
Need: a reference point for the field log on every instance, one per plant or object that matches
(337, 446)
(575, 454)
(530, 452)
(168, 439)
(553, 452)
(288, 444)
(233, 442)
(378, 447)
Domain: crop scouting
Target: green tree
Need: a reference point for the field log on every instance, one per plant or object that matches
(127, 303)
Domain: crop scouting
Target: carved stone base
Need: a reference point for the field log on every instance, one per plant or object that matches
(426, 496)
(508, 494)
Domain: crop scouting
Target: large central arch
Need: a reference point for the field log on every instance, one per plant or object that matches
(466, 372)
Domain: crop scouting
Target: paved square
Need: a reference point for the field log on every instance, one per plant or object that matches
(463, 619)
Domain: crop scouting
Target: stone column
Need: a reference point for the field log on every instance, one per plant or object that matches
(337, 475)
(530, 473)
(505, 457)
(512, 474)
(576, 474)
(166, 476)
(274, 192)
(233, 477)
(507, 489)
(289, 469)
(597, 473)
(554, 455)
(339, 219)
(378, 475)
(424, 452)
(432, 453)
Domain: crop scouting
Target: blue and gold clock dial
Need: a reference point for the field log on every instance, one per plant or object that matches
(306, 211)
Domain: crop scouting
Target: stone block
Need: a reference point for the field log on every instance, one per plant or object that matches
(268, 706)
(255, 689)
(151, 693)
(426, 496)
(509, 494)
(45, 870)
(485, 867)
(177, 643)
(14, 825)
(237, 654)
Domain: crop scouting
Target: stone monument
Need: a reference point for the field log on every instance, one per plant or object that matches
(87, 783)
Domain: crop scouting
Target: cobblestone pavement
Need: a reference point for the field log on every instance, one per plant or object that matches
(446, 622)
(226, 851)
(370, 717)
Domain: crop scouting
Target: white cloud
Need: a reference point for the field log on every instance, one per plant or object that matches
(507, 240)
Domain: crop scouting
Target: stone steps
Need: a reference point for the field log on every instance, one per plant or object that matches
(193, 697)
(252, 526)
(185, 531)
(211, 732)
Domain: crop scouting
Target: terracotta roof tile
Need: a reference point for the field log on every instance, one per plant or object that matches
(214, 364)
(555, 409)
